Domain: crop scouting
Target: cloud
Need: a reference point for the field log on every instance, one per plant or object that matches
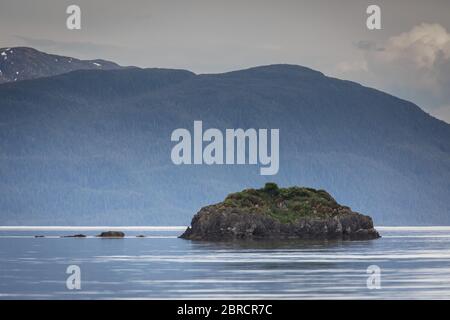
(352, 66)
(82, 48)
(414, 65)
(422, 47)
(367, 45)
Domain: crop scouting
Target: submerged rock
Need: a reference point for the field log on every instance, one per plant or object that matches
(112, 234)
(75, 236)
(279, 213)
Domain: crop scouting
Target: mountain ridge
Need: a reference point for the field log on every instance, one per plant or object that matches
(24, 63)
(93, 147)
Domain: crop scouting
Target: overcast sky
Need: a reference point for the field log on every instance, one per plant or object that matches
(409, 57)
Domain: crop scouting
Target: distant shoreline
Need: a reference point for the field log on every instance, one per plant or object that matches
(180, 228)
(129, 228)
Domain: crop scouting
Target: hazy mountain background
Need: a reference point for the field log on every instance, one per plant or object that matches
(92, 147)
(22, 63)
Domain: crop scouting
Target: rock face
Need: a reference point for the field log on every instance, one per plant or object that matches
(75, 236)
(279, 213)
(112, 234)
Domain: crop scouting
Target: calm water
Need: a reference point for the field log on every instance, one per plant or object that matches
(414, 262)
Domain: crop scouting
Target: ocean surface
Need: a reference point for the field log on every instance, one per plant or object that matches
(414, 264)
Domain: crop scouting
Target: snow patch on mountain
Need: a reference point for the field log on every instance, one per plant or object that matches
(31, 64)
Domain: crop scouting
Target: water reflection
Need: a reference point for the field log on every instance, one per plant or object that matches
(415, 264)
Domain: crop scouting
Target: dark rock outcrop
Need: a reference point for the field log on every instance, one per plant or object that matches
(75, 236)
(112, 234)
(273, 213)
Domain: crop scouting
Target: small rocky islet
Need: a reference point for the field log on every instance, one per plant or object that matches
(111, 234)
(75, 236)
(105, 234)
(272, 213)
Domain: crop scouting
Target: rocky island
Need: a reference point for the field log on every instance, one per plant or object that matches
(111, 234)
(279, 213)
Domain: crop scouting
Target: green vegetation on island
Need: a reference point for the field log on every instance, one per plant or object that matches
(284, 204)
